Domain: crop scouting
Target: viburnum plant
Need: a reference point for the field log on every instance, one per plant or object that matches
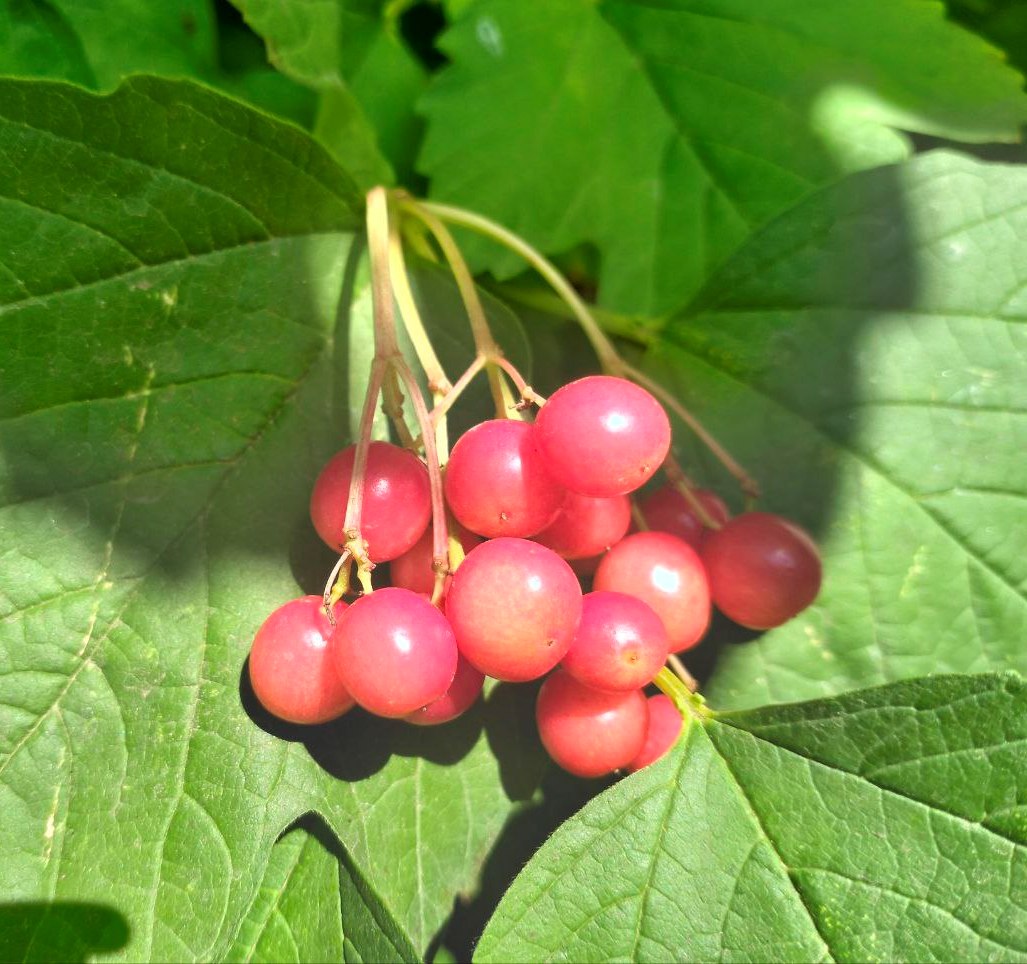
(379, 575)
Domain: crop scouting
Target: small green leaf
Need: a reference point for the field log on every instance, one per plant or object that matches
(664, 133)
(887, 825)
(866, 356)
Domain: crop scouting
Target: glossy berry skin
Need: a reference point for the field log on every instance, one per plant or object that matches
(413, 569)
(497, 483)
(603, 436)
(394, 651)
(290, 668)
(514, 606)
(620, 643)
(664, 728)
(587, 526)
(397, 500)
(460, 697)
(763, 569)
(666, 573)
(667, 510)
(590, 732)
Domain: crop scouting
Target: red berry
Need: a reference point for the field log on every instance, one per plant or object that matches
(514, 606)
(587, 526)
(497, 483)
(763, 569)
(460, 697)
(394, 651)
(397, 500)
(664, 728)
(413, 570)
(603, 436)
(590, 732)
(620, 643)
(667, 510)
(290, 667)
(666, 573)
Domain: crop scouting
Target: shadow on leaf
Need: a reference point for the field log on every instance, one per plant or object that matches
(59, 931)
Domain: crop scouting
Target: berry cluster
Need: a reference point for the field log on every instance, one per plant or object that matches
(532, 506)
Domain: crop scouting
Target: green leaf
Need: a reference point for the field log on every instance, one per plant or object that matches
(313, 905)
(98, 42)
(1002, 22)
(664, 132)
(178, 341)
(866, 356)
(350, 51)
(884, 825)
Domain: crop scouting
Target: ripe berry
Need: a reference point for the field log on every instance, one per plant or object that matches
(514, 606)
(394, 651)
(461, 695)
(590, 732)
(587, 526)
(497, 483)
(397, 500)
(664, 728)
(763, 569)
(666, 573)
(290, 668)
(620, 643)
(667, 510)
(603, 436)
(413, 570)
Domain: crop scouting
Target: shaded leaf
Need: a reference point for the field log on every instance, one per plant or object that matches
(866, 356)
(663, 133)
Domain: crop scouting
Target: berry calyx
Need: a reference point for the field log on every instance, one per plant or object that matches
(661, 734)
(590, 732)
(587, 526)
(666, 573)
(763, 569)
(290, 668)
(394, 651)
(396, 503)
(413, 570)
(620, 643)
(603, 436)
(514, 606)
(667, 510)
(460, 697)
(497, 483)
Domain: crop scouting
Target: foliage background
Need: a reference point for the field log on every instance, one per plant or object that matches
(797, 215)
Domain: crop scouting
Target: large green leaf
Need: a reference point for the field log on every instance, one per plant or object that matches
(885, 825)
(351, 52)
(177, 340)
(866, 354)
(663, 132)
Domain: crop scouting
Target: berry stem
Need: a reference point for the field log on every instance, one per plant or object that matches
(608, 355)
(687, 678)
(689, 704)
(447, 401)
(684, 484)
(392, 403)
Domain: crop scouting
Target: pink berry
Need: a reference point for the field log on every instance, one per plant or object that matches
(664, 728)
(514, 606)
(587, 526)
(497, 483)
(460, 697)
(413, 570)
(590, 732)
(666, 573)
(290, 668)
(620, 643)
(603, 436)
(394, 651)
(667, 510)
(763, 569)
(397, 500)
